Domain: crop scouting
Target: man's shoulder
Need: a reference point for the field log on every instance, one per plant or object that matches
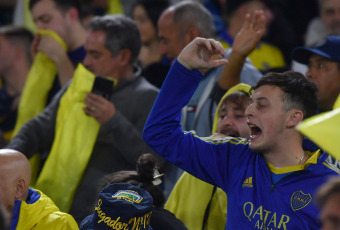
(42, 213)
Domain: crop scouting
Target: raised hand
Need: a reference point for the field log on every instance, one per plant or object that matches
(202, 53)
(245, 42)
(250, 34)
(51, 48)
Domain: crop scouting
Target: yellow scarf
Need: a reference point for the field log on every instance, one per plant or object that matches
(34, 96)
(38, 83)
(73, 144)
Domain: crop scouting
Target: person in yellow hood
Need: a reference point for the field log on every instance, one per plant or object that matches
(29, 208)
(198, 204)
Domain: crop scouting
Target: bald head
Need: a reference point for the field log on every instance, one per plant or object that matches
(15, 177)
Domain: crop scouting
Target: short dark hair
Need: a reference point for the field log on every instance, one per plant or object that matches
(153, 8)
(62, 5)
(299, 92)
(325, 191)
(19, 36)
(143, 178)
(121, 33)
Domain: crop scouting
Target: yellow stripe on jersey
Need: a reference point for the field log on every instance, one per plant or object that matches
(331, 166)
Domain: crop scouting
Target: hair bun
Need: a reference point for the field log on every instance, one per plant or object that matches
(145, 167)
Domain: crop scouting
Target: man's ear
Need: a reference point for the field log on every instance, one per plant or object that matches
(191, 34)
(296, 116)
(20, 189)
(124, 57)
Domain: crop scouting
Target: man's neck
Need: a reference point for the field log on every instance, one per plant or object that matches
(126, 73)
(78, 37)
(286, 154)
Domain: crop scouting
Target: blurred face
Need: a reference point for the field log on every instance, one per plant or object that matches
(146, 28)
(170, 43)
(326, 75)
(48, 17)
(330, 213)
(330, 15)
(266, 119)
(99, 59)
(6, 55)
(232, 120)
(259, 5)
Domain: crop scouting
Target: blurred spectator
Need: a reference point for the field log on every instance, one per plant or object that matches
(265, 57)
(28, 208)
(328, 199)
(323, 62)
(178, 26)
(15, 62)
(58, 48)
(328, 22)
(155, 66)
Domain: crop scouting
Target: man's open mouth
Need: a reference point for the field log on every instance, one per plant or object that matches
(254, 131)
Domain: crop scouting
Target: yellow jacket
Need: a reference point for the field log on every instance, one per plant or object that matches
(39, 212)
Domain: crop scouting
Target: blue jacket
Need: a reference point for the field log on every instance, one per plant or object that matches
(253, 201)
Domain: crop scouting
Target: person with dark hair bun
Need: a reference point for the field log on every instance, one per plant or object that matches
(147, 177)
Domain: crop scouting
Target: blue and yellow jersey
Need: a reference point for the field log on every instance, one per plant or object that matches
(254, 202)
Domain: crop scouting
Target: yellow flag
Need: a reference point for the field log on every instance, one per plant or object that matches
(323, 130)
(337, 103)
(76, 134)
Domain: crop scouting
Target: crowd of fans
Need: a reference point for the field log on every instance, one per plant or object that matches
(168, 114)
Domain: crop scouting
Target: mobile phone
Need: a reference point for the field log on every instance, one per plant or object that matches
(103, 86)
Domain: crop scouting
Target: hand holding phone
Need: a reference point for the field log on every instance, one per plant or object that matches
(103, 86)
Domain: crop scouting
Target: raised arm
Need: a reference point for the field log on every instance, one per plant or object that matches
(245, 42)
(57, 54)
(163, 131)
